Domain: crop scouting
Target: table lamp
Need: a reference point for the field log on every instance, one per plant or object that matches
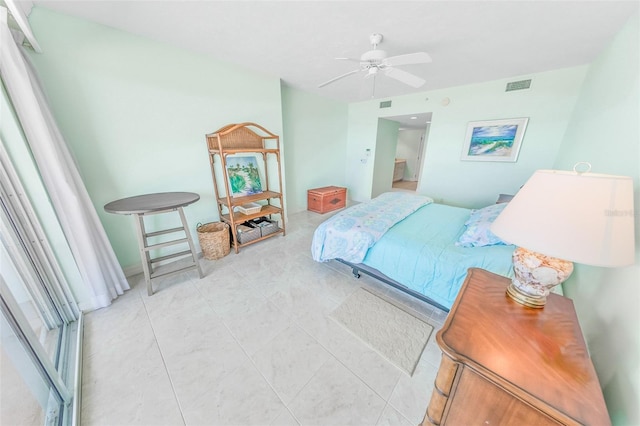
(560, 217)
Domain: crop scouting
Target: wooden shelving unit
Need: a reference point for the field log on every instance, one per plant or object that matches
(249, 138)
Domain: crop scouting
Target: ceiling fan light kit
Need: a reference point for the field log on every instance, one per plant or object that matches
(374, 60)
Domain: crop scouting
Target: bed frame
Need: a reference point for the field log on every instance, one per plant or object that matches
(357, 268)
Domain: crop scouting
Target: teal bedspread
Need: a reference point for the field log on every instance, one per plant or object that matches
(420, 253)
(349, 234)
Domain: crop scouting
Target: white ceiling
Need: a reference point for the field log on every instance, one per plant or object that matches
(412, 121)
(297, 41)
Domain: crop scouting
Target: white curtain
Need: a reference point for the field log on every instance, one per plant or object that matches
(102, 275)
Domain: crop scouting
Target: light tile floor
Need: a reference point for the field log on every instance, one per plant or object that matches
(251, 343)
(407, 185)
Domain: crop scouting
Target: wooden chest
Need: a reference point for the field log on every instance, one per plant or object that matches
(326, 199)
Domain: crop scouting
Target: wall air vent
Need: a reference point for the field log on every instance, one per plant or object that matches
(518, 85)
(385, 104)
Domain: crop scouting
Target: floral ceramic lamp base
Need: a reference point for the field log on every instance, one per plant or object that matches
(535, 277)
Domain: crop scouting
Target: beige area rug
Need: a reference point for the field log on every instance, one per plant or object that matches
(395, 334)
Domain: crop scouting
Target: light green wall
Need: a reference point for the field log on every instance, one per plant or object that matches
(316, 132)
(384, 159)
(361, 147)
(547, 104)
(135, 113)
(604, 131)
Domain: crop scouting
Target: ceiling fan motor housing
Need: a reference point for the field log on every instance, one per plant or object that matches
(373, 56)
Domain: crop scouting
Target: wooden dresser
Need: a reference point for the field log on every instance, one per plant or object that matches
(505, 364)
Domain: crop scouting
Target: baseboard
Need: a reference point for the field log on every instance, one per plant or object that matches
(130, 271)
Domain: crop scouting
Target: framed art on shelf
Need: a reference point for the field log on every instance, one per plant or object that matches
(244, 176)
(494, 140)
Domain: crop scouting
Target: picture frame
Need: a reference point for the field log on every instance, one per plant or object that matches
(243, 175)
(494, 140)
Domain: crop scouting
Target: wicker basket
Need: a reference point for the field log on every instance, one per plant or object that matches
(214, 240)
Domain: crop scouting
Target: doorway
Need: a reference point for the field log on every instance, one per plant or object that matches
(409, 157)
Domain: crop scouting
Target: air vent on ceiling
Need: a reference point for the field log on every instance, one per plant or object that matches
(385, 104)
(518, 85)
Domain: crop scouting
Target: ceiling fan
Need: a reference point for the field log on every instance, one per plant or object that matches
(376, 61)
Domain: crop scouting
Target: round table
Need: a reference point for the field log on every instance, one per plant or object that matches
(149, 204)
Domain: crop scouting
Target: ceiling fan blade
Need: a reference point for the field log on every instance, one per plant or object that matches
(408, 59)
(348, 59)
(338, 78)
(404, 77)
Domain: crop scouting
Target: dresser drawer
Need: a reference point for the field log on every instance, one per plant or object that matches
(326, 199)
(496, 406)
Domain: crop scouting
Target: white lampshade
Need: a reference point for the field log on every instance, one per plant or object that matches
(579, 217)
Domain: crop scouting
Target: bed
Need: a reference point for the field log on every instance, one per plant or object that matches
(414, 244)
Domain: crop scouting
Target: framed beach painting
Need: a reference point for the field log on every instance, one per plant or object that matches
(494, 140)
(244, 176)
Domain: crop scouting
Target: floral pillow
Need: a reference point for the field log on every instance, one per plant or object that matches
(477, 232)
